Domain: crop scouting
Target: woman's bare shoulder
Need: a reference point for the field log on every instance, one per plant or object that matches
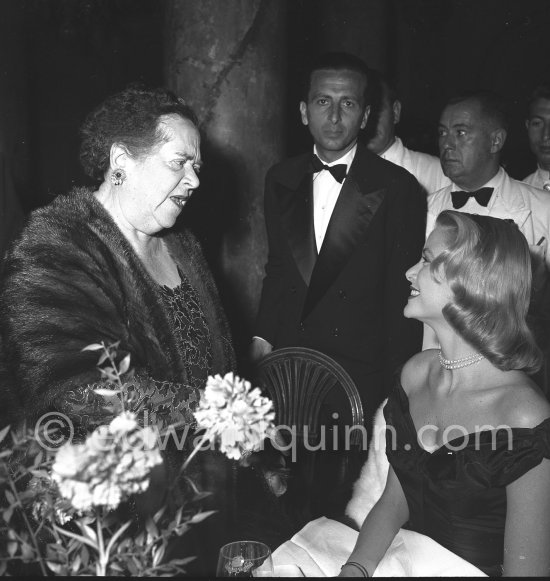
(522, 404)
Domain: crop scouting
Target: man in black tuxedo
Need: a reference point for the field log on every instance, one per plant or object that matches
(341, 239)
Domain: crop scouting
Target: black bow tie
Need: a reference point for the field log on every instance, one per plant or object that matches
(482, 196)
(338, 171)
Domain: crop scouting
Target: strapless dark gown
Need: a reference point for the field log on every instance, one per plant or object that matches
(457, 495)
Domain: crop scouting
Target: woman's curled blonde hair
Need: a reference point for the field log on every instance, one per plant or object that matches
(487, 265)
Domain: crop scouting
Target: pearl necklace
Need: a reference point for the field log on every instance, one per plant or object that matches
(458, 363)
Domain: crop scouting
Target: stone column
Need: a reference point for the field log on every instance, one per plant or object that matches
(356, 26)
(13, 120)
(227, 59)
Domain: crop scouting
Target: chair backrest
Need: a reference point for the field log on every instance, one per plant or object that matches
(298, 380)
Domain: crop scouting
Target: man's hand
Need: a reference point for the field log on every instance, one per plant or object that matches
(259, 348)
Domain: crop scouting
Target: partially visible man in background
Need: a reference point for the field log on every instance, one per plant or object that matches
(424, 167)
(538, 131)
(472, 133)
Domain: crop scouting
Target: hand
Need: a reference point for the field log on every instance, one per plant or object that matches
(270, 462)
(350, 571)
(259, 348)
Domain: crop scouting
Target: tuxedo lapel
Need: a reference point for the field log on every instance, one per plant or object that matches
(348, 225)
(297, 218)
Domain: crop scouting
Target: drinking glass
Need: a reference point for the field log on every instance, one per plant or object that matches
(245, 559)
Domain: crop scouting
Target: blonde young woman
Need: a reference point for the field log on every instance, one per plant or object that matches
(469, 432)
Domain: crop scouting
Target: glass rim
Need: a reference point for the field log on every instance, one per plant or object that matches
(260, 543)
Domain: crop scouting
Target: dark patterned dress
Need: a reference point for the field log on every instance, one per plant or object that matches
(160, 403)
(193, 333)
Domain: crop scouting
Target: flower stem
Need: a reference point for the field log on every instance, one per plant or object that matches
(195, 450)
(103, 558)
(29, 528)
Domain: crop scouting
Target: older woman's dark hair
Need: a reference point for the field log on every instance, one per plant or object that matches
(488, 268)
(130, 118)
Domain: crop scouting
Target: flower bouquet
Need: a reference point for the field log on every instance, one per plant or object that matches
(62, 512)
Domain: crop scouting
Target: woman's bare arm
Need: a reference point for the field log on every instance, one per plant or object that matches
(380, 527)
(527, 530)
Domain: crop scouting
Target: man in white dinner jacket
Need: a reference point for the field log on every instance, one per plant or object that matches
(538, 131)
(385, 143)
(472, 132)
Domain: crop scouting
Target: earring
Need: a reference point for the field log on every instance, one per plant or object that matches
(118, 176)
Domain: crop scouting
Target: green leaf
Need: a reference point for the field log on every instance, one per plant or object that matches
(40, 474)
(116, 567)
(133, 568)
(181, 529)
(85, 554)
(88, 532)
(201, 496)
(27, 552)
(57, 568)
(12, 548)
(76, 564)
(38, 459)
(117, 535)
(52, 551)
(76, 537)
(201, 516)
(4, 432)
(182, 561)
(109, 374)
(151, 528)
(93, 347)
(10, 498)
(158, 554)
(102, 359)
(124, 365)
(7, 514)
(158, 515)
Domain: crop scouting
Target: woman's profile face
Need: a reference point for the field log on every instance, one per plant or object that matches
(159, 185)
(428, 296)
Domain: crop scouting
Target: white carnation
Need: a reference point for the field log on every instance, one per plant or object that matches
(113, 463)
(234, 415)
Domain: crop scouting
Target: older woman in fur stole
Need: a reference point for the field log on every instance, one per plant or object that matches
(104, 265)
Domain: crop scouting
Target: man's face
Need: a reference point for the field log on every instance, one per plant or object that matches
(538, 131)
(468, 145)
(385, 129)
(335, 111)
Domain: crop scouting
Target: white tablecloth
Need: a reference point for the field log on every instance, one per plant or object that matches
(324, 545)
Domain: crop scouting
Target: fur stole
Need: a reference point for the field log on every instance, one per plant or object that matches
(72, 279)
(371, 482)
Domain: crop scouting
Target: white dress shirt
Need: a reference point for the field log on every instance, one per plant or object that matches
(325, 195)
(529, 207)
(539, 179)
(424, 167)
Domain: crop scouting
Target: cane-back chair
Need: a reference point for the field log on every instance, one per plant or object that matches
(298, 380)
